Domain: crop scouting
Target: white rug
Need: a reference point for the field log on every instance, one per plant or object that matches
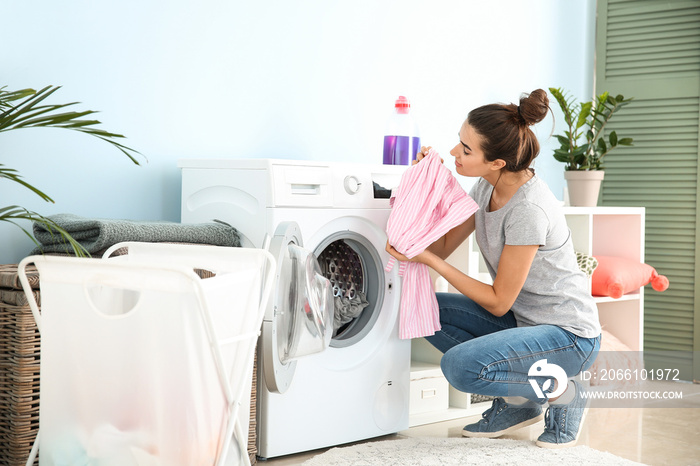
(462, 452)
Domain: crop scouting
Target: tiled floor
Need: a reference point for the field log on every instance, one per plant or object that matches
(652, 435)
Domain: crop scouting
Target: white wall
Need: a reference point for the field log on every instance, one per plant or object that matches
(302, 79)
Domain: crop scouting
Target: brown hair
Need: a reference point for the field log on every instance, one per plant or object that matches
(505, 129)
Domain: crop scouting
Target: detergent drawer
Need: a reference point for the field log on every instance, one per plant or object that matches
(302, 186)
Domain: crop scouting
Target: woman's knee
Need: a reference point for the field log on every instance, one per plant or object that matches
(460, 371)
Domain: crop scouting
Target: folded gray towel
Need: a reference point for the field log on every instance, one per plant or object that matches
(98, 234)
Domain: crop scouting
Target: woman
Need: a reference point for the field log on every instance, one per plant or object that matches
(538, 317)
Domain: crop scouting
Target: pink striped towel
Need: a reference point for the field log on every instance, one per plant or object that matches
(427, 204)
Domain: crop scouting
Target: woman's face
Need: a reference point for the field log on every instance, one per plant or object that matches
(469, 158)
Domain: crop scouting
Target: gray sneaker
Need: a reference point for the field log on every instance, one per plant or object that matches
(562, 423)
(502, 418)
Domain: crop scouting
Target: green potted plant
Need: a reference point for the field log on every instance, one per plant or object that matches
(583, 144)
(26, 108)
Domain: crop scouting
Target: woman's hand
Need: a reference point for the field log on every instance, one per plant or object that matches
(423, 153)
(395, 254)
(421, 258)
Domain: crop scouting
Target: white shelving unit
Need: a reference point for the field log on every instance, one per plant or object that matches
(613, 231)
(609, 231)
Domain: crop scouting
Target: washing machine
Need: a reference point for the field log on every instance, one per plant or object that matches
(357, 386)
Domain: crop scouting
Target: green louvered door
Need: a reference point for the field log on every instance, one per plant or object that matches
(650, 50)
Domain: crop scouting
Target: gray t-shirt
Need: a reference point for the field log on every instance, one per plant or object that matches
(556, 291)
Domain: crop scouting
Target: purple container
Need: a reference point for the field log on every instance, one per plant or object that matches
(400, 150)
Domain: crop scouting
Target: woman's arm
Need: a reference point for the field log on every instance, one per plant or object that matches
(447, 244)
(513, 268)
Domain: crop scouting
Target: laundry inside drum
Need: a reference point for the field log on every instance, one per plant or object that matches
(343, 266)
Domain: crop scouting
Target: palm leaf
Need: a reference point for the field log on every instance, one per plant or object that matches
(12, 213)
(25, 108)
(28, 113)
(13, 95)
(11, 174)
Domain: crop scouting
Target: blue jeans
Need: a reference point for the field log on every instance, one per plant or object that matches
(490, 355)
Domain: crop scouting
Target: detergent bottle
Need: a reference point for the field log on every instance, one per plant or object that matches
(401, 140)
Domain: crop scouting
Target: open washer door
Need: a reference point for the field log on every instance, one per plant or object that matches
(299, 319)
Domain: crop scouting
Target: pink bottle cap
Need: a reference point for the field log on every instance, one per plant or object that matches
(402, 104)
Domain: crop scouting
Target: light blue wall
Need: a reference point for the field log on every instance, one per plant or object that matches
(313, 79)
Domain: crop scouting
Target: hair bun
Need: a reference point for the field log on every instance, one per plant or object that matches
(533, 107)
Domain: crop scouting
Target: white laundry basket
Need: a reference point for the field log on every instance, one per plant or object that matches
(142, 361)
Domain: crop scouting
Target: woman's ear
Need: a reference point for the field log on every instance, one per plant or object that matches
(498, 164)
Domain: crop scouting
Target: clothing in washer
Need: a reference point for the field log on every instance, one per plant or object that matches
(346, 309)
(341, 265)
(427, 204)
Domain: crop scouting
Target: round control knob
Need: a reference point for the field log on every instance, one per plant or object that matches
(351, 184)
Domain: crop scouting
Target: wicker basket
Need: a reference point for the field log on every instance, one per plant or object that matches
(252, 436)
(19, 372)
(19, 369)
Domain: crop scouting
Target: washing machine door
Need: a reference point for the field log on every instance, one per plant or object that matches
(299, 320)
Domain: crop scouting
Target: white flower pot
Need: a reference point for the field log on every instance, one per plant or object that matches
(583, 186)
